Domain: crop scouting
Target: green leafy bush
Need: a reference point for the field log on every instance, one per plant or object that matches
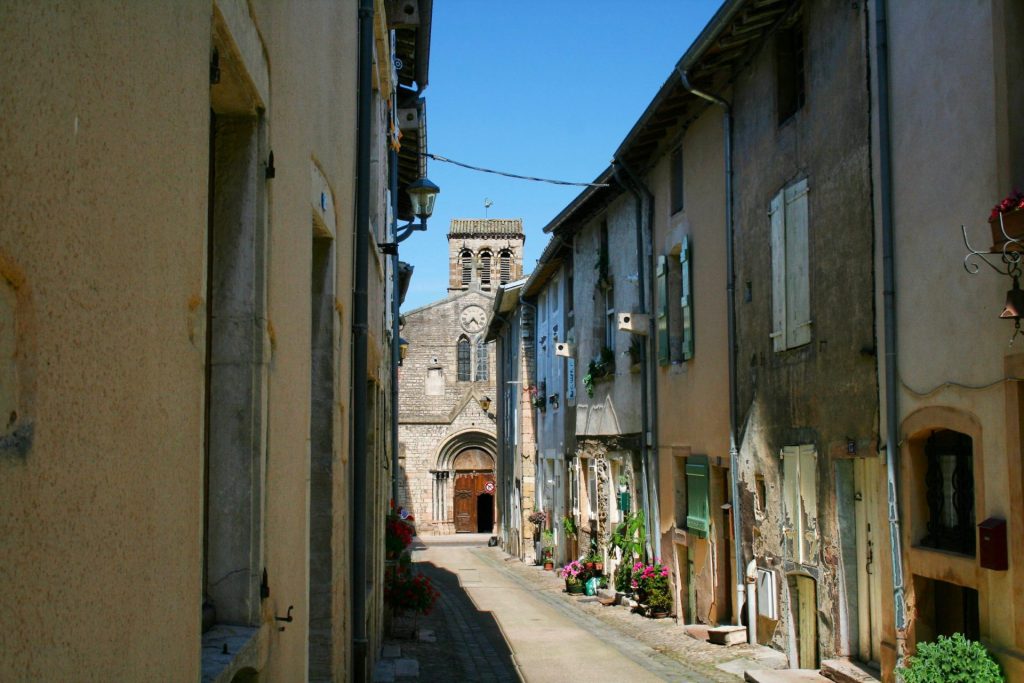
(951, 660)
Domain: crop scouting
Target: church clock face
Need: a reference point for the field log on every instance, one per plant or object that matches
(472, 319)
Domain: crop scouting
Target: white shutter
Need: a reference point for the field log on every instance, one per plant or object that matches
(777, 216)
(798, 285)
(791, 522)
(808, 504)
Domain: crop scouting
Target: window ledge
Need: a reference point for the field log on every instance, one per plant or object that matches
(242, 645)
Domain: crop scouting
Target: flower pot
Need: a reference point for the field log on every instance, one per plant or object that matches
(574, 588)
(549, 565)
(590, 565)
(1013, 224)
(657, 615)
(599, 566)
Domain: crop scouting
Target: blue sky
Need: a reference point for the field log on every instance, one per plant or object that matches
(540, 88)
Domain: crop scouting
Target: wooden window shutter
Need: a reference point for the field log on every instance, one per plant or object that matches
(664, 355)
(778, 245)
(697, 521)
(798, 284)
(686, 299)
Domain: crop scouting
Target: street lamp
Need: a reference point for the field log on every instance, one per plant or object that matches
(423, 194)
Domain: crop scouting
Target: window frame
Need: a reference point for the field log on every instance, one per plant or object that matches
(463, 359)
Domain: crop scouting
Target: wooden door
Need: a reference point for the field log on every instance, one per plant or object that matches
(465, 504)
(870, 563)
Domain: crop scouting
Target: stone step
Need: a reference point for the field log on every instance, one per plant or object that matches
(844, 671)
(783, 676)
(727, 635)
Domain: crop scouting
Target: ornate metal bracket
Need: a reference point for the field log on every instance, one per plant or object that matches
(1009, 264)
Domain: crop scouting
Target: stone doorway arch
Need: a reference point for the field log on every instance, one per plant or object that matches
(464, 484)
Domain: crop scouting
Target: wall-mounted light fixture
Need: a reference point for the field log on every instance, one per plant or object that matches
(1009, 251)
(485, 403)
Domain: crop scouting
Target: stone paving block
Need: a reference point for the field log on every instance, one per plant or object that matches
(407, 668)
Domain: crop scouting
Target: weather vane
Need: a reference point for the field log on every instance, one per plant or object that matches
(488, 202)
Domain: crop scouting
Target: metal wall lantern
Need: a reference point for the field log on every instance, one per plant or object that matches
(423, 194)
(1005, 258)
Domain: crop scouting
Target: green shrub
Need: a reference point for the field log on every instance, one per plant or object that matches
(951, 660)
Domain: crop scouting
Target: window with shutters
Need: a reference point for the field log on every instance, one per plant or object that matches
(677, 180)
(675, 305)
(592, 487)
(463, 354)
(611, 325)
(800, 503)
(505, 266)
(482, 362)
(466, 261)
(791, 297)
(697, 506)
(485, 269)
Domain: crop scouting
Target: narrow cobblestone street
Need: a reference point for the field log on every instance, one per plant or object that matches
(500, 620)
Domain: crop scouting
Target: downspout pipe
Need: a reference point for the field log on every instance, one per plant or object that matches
(730, 288)
(892, 413)
(359, 344)
(622, 175)
(396, 351)
(650, 391)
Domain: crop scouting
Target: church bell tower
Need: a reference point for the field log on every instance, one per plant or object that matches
(484, 253)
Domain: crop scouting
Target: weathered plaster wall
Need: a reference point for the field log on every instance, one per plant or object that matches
(105, 184)
(822, 393)
(956, 152)
(100, 514)
(693, 395)
(613, 409)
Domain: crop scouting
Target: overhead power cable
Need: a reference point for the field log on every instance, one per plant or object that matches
(438, 157)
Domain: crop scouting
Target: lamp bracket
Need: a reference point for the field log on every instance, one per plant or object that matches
(1010, 255)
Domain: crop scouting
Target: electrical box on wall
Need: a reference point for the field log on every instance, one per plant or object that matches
(563, 349)
(635, 323)
(992, 544)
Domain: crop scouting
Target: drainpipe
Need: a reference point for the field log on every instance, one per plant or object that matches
(359, 344)
(625, 178)
(892, 445)
(730, 287)
(649, 392)
(396, 351)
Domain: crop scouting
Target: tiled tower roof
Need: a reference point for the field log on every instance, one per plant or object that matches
(486, 227)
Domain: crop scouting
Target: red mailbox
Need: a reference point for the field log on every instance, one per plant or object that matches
(992, 544)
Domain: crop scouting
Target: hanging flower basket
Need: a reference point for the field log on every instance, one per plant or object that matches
(1007, 216)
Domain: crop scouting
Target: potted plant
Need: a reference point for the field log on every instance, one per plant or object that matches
(601, 366)
(575, 576)
(398, 535)
(650, 581)
(951, 659)
(548, 549)
(408, 595)
(1007, 217)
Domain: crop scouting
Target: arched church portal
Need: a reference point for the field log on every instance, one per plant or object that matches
(464, 484)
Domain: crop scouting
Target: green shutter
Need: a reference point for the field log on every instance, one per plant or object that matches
(697, 471)
(663, 350)
(686, 300)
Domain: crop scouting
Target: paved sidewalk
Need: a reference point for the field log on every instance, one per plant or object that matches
(500, 620)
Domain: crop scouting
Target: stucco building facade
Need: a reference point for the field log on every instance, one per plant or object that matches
(447, 399)
(176, 315)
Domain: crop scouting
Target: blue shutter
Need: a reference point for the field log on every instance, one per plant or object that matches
(697, 517)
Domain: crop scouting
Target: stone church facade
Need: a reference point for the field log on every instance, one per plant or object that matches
(447, 396)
